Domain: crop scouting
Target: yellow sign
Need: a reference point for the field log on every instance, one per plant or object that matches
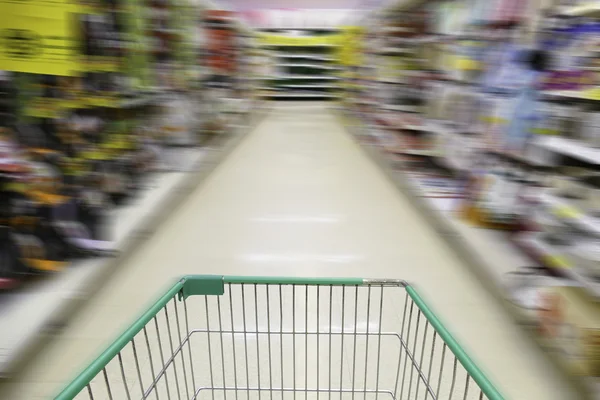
(280, 40)
(37, 37)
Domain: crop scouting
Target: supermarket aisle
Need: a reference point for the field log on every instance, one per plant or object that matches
(298, 197)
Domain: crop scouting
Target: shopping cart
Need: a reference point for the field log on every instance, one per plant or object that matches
(264, 338)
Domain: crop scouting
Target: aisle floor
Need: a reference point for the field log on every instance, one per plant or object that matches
(298, 197)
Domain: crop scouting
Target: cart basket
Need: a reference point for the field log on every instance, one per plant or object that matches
(268, 338)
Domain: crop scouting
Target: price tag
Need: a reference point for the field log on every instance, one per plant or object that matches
(567, 212)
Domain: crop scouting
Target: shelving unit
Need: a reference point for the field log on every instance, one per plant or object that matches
(154, 106)
(48, 303)
(466, 146)
(302, 62)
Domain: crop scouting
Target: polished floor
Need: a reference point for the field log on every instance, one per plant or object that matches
(298, 197)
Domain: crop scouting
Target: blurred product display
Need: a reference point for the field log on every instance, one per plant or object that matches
(488, 118)
(83, 151)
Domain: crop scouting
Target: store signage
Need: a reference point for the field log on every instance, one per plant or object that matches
(37, 37)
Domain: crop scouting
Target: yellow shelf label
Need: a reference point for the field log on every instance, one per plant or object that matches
(567, 212)
(556, 261)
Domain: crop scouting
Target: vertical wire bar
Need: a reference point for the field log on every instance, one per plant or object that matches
(379, 344)
(306, 342)
(430, 364)
(123, 376)
(222, 345)
(210, 359)
(269, 343)
(414, 360)
(188, 332)
(330, 333)
(354, 351)
(406, 358)
(367, 340)
(187, 390)
(172, 351)
(137, 366)
(419, 378)
(294, 338)
(257, 340)
(107, 384)
(480, 394)
(453, 379)
(400, 349)
(281, 337)
(466, 387)
(151, 361)
(162, 359)
(89, 388)
(437, 392)
(342, 341)
(235, 380)
(318, 329)
(245, 338)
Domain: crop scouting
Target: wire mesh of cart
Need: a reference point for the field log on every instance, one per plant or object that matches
(266, 338)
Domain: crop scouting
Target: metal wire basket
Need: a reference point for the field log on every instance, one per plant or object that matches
(255, 338)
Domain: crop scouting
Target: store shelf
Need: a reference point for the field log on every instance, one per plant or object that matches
(311, 77)
(556, 258)
(490, 252)
(44, 306)
(305, 56)
(401, 108)
(588, 95)
(302, 95)
(316, 66)
(584, 10)
(567, 212)
(569, 147)
(38, 307)
(315, 86)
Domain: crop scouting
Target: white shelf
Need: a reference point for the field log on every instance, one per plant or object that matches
(302, 95)
(401, 108)
(323, 77)
(584, 10)
(569, 147)
(565, 211)
(568, 94)
(305, 56)
(556, 258)
(320, 66)
(394, 50)
(319, 86)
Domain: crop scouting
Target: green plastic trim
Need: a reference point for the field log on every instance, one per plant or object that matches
(292, 280)
(478, 376)
(202, 285)
(111, 352)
